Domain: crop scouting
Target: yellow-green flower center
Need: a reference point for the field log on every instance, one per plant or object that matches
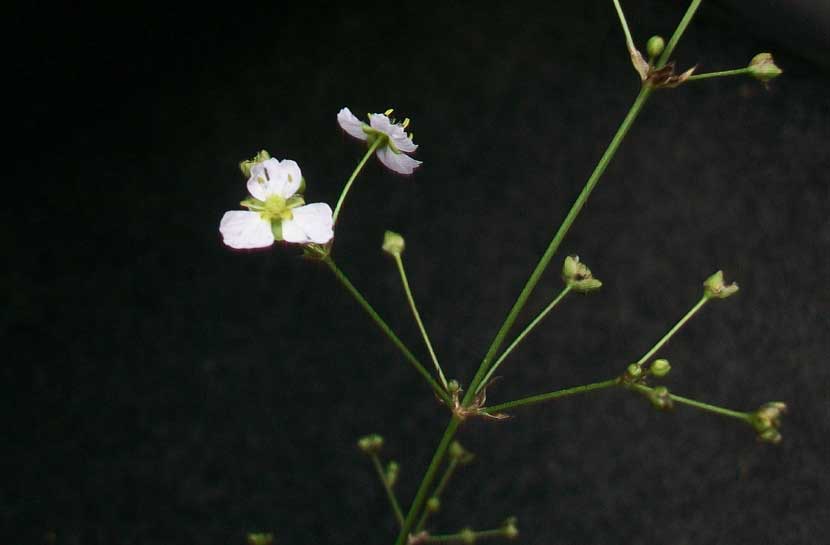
(276, 208)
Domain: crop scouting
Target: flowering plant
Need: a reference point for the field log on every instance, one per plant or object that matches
(277, 212)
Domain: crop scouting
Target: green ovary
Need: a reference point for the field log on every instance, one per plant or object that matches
(276, 208)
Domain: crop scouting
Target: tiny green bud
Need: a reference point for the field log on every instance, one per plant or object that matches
(433, 504)
(459, 453)
(766, 421)
(453, 386)
(763, 68)
(260, 539)
(714, 287)
(660, 368)
(578, 276)
(393, 243)
(392, 471)
(655, 46)
(661, 398)
(634, 371)
(245, 166)
(511, 531)
(370, 444)
(467, 536)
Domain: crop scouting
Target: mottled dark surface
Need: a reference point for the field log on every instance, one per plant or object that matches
(160, 388)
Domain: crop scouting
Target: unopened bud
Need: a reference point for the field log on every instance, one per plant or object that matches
(370, 444)
(578, 276)
(714, 287)
(467, 536)
(245, 166)
(766, 421)
(633, 372)
(392, 471)
(260, 539)
(763, 68)
(660, 398)
(655, 46)
(660, 368)
(510, 529)
(459, 453)
(453, 386)
(433, 504)
(393, 243)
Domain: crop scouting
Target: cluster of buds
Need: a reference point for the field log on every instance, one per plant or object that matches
(766, 421)
(393, 243)
(370, 444)
(578, 277)
(715, 288)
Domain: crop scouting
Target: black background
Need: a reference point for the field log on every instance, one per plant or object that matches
(161, 388)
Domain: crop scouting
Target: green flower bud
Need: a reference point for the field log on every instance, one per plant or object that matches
(392, 471)
(260, 539)
(393, 243)
(245, 166)
(453, 386)
(661, 398)
(660, 368)
(633, 371)
(578, 276)
(467, 536)
(370, 444)
(655, 46)
(763, 68)
(714, 287)
(433, 504)
(511, 531)
(766, 421)
(459, 453)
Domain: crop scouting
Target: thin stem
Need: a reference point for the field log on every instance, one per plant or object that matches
(673, 330)
(746, 417)
(463, 537)
(678, 33)
(405, 282)
(721, 74)
(410, 357)
(390, 494)
(585, 388)
(426, 482)
(524, 334)
(629, 41)
(358, 168)
(576, 208)
(442, 484)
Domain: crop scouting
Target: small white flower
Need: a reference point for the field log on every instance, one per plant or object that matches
(276, 211)
(392, 152)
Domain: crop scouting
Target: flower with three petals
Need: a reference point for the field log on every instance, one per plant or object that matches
(395, 143)
(276, 211)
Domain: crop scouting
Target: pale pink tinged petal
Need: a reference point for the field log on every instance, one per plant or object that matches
(404, 143)
(315, 220)
(381, 123)
(399, 162)
(352, 125)
(245, 230)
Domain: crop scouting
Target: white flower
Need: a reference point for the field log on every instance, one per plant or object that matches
(276, 211)
(392, 152)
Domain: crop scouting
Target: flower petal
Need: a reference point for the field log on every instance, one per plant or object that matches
(311, 223)
(274, 177)
(351, 124)
(399, 162)
(244, 230)
(404, 143)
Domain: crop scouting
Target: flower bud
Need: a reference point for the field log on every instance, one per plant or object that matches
(655, 46)
(453, 386)
(511, 531)
(459, 453)
(714, 287)
(633, 372)
(393, 243)
(763, 68)
(245, 166)
(660, 368)
(370, 444)
(660, 398)
(260, 539)
(433, 504)
(392, 471)
(467, 536)
(766, 421)
(578, 276)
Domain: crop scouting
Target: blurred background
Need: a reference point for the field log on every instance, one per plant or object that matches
(161, 388)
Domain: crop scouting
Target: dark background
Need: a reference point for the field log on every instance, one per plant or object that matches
(161, 388)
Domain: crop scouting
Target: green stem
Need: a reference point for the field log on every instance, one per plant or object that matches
(721, 74)
(390, 494)
(576, 208)
(629, 41)
(678, 33)
(426, 482)
(673, 330)
(585, 388)
(462, 537)
(442, 484)
(358, 168)
(411, 299)
(745, 417)
(524, 334)
(410, 357)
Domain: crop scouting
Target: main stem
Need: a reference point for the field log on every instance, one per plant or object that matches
(576, 208)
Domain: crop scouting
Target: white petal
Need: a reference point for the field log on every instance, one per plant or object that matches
(382, 123)
(274, 177)
(312, 221)
(244, 230)
(351, 124)
(404, 143)
(399, 162)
